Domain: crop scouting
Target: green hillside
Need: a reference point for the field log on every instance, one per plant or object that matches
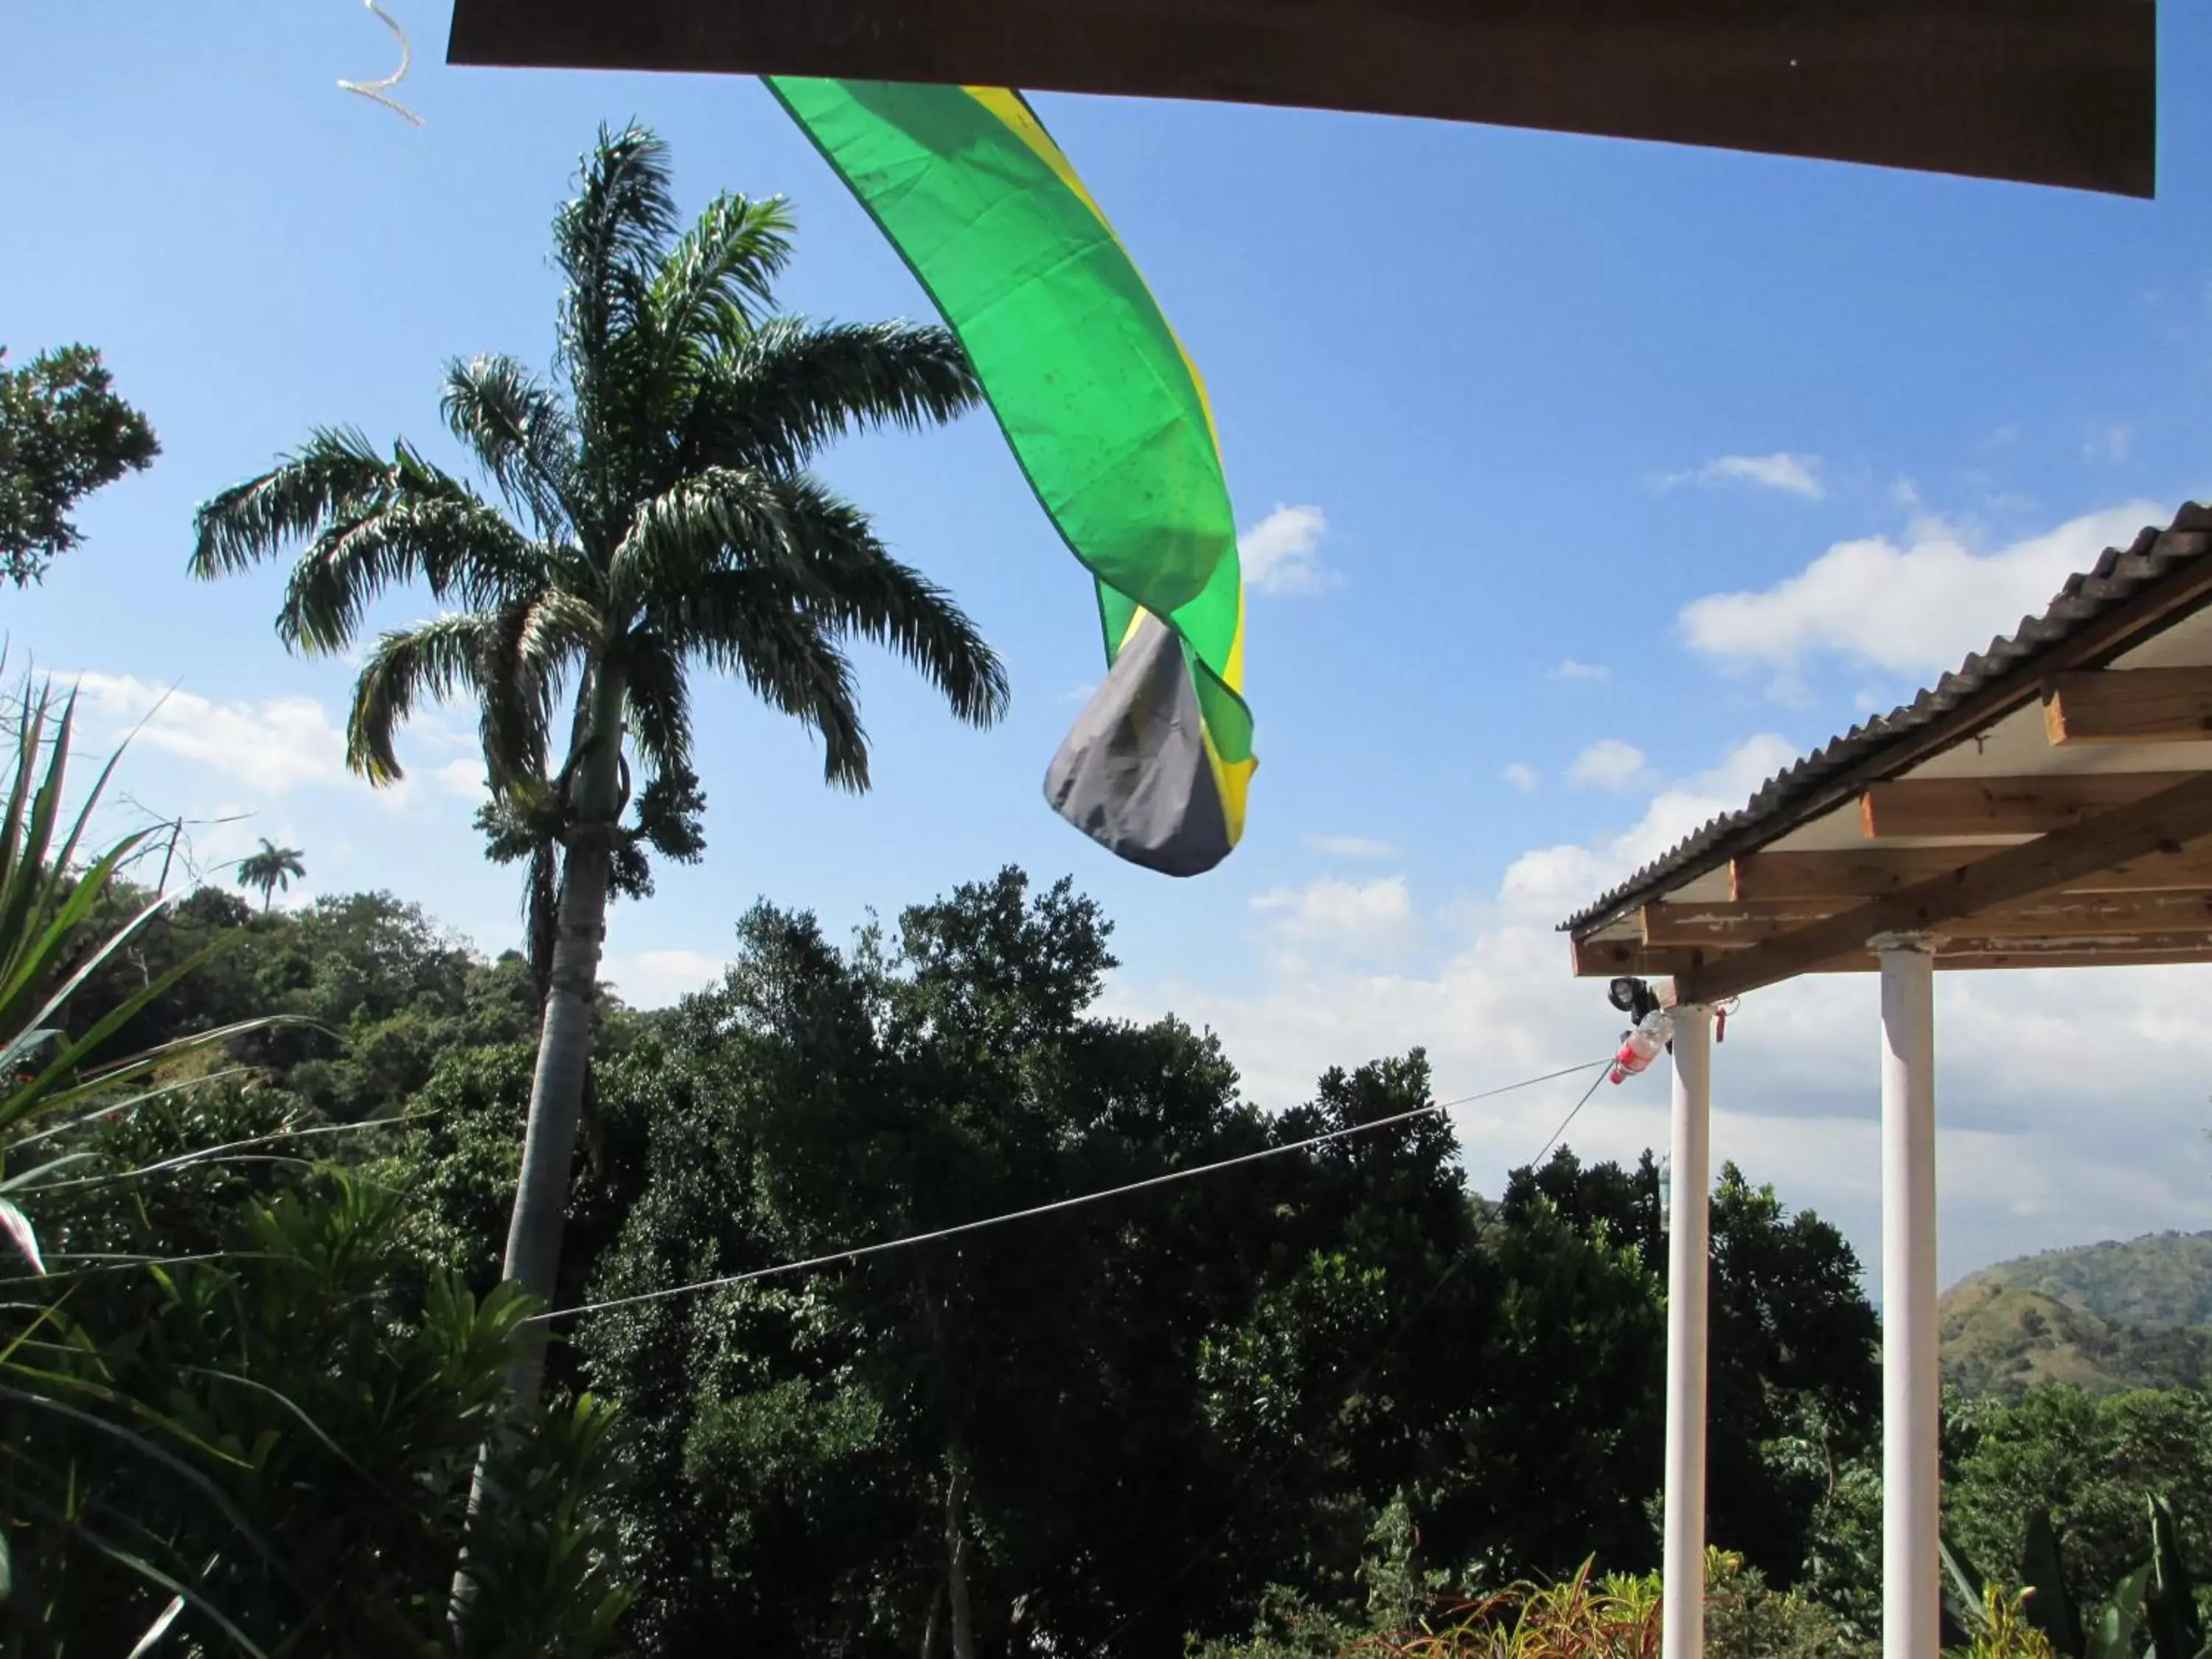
(2160, 1278)
(2107, 1316)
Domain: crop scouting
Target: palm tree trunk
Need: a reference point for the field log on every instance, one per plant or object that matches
(956, 1555)
(556, 1090)
(564, 1042)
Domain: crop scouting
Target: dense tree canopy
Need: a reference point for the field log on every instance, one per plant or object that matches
(1098, 1430)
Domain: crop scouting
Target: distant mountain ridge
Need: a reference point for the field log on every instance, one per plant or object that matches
(2123, 1314)
(2160, 1278)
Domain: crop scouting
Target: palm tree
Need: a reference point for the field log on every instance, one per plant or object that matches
(270, 869)
(658, 516)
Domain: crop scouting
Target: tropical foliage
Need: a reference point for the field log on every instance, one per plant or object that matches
(233, 1417)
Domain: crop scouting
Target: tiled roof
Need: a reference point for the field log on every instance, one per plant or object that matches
(2119, 575)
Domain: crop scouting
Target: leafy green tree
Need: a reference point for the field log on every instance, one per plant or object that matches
(63, 434)
(1106, 1426)
(271, 869)
(2092, 1461)
(659, 517)
(1795, 1378)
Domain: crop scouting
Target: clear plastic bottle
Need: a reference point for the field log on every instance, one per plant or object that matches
(1641, 1046)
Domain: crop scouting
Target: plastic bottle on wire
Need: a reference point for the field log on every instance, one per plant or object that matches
(1641, 1046)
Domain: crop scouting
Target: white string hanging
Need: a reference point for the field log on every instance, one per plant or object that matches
(380, 91)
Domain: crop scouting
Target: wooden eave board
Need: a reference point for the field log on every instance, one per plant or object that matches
(2048, 92)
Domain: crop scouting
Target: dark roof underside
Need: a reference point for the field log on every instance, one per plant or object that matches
(2048, 92)
(2010, 667)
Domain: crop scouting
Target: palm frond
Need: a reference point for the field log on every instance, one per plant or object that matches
(744, 623)
(718, 518)
(517, 429)
(527, 658)
(253, 520)
(604, 241)
(715, 274)
(660, 706)
(793, 387)
(427, 525)
(867, 592)
(435, 660)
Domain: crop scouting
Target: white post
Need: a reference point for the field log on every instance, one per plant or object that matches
(1682, 1631)
(1911, 1494)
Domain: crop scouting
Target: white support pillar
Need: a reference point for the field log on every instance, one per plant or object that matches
(1912, 1493)
(1682, 1631)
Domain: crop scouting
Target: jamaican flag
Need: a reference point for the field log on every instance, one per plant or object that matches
(1109, 421)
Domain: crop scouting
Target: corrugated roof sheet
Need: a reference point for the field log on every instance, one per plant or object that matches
(2119, 575)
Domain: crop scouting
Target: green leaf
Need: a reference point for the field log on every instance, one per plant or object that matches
(1963, 1581)
(17, 1227)
(2113, 1634)
(2175, 1628)
(2051, 1608)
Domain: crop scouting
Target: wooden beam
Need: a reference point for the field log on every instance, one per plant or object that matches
(1865, 872)
(2129, 705)
(2002, 806)
(2047, 916)
(1989, 956)
(1609, 958)
(2163, 822)
(2057, 92)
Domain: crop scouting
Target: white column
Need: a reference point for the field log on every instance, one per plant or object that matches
(1912, 1493)
(1682, 1631)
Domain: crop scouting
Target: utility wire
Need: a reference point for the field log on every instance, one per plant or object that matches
(886, 1245)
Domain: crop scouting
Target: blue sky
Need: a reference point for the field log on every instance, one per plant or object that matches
(1500, 409)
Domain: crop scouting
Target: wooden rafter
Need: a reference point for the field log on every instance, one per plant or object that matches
(2048, 916)
(1864, 872)
(2162, 823)
(1977, 807)
(2132, 705)
(1608, 958)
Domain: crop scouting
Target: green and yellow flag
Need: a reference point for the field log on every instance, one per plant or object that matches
(1109, 420)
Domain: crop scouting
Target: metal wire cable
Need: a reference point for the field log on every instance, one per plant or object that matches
(880, 1248)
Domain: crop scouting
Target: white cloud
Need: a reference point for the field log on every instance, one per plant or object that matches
(1522, 776)
(1918, 608)
(1608, 764)
(1568, 668)
(275, 745)
(1281, 554)
(1350, 846)
(1797, 475)
(461, 778)
(1338, 916)
(2036, 1150)
(2110, 441)
(655, 978)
